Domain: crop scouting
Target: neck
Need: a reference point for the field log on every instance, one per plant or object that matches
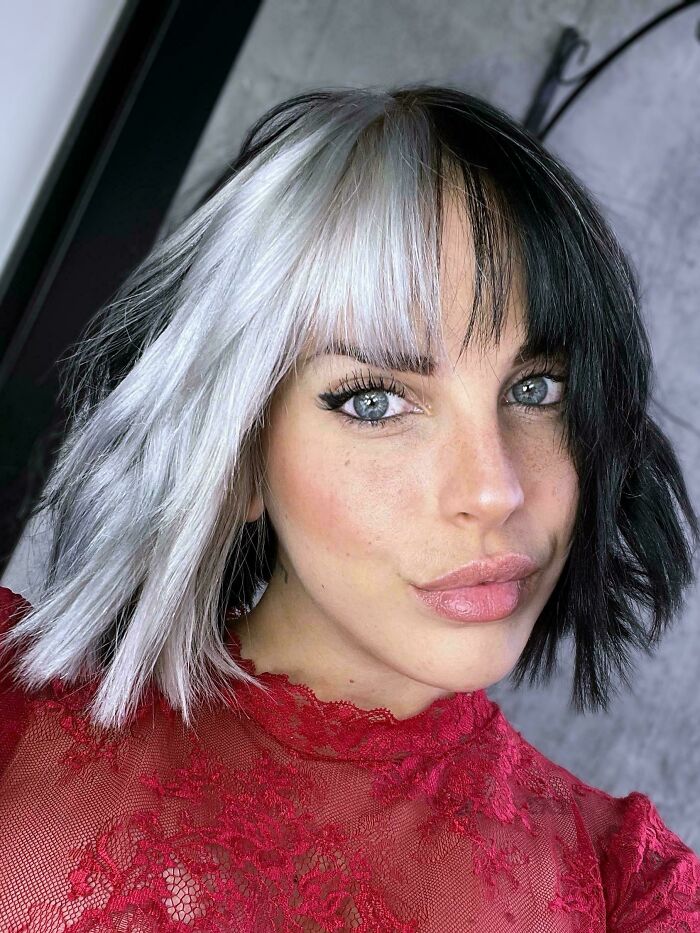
(283, 635)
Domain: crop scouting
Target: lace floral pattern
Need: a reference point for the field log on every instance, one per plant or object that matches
(282, 812)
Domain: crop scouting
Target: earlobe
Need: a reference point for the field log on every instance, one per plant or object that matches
(255, 509)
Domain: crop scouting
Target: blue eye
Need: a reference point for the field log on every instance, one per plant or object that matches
(372, 392)
(369, 391)
(535, 390)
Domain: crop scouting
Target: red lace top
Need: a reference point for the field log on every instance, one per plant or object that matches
(294, 814)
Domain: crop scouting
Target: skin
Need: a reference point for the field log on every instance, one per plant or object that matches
(362, 512)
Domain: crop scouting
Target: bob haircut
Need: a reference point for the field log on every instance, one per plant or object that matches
(327, 227)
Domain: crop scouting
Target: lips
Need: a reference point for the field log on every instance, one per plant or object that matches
(495, 569)
(486, 602)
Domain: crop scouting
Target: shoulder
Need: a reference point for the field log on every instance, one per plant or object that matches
(49, 730)
(13, 698)
(12, 608)
(650, 877)
(12, 605)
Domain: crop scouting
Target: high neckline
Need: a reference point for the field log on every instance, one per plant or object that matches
(297, 718)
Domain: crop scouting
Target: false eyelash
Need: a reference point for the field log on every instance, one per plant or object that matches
(357, 384)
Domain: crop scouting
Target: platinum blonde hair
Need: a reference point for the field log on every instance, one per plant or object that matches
(327, 229)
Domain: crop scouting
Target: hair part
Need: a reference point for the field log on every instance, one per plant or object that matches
(169, 388)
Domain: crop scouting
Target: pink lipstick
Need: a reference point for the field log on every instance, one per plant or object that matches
(482, 591)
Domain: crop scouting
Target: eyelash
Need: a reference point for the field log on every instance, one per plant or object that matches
(357, 384)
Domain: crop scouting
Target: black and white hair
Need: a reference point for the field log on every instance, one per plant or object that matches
(328, 227)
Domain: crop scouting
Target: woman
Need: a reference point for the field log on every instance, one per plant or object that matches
(393, 373)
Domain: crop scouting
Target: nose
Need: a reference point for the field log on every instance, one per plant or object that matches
(478, 475)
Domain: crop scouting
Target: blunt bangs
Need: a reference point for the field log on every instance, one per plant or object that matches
(326, 230)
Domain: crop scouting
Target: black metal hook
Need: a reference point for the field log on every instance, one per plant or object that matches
(569, 42)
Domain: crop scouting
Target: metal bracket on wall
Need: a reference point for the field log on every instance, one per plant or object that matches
(569, 42)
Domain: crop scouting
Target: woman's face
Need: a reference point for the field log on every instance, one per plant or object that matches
(362, 511)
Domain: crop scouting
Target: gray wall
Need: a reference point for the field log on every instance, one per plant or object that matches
(633, 138)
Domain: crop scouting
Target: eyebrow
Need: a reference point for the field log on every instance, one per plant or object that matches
(423, 365)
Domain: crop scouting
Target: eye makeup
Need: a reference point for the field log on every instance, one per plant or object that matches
(358, 384)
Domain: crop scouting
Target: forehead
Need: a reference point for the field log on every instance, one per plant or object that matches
(459, 270)
(456, 304)
(512, 347)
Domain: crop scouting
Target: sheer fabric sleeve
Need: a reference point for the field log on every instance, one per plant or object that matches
(74, 811)
(13, 699)
(651, 877)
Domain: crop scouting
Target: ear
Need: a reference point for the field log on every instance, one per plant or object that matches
(255, 509)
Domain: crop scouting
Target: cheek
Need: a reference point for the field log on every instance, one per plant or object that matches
(551, 484)
(350, 500)
(566, 493)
